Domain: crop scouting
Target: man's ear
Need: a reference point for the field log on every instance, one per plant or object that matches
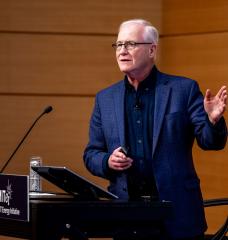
(153, 50)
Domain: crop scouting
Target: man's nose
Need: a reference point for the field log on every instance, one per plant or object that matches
(123, 49)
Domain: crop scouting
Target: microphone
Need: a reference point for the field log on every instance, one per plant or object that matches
(46, 110)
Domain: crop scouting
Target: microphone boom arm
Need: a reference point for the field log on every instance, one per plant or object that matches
(46, 110)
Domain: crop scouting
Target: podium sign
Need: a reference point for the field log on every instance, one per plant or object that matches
(14, 197)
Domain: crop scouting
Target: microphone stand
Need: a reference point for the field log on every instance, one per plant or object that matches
(46, 110)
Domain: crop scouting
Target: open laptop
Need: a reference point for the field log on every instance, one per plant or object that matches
(73, 183)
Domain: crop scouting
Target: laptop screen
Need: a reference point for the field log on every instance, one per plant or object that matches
(73, 183)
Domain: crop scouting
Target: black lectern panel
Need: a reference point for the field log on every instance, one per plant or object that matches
(81, 220)
(73, 183)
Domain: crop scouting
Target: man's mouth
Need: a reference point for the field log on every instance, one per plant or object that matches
(125, 60)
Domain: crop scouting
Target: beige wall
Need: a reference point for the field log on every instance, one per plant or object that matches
(59, 53)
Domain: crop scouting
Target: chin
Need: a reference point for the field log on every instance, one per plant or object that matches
(125, 69)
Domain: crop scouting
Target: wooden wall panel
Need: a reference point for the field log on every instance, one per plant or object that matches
(184, 17)
(56, 63)
(201, 57)
(216, 217)
(59, 137)
(81, 16)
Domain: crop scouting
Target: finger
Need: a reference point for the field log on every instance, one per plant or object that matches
(118, 164)
(125, 161)
(114, 159)
(120, 160)
(225, 100)
(224, 95)
(121, 166)
(124, 164)
(118, 153)
(207, 95)
(224, 104)
(220, 92)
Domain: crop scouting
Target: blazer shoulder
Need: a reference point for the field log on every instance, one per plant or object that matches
(176, 79)
(112, 88)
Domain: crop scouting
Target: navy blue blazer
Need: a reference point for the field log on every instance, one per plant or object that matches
(179, 118)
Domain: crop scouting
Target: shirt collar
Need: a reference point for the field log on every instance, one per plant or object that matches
(147, 84)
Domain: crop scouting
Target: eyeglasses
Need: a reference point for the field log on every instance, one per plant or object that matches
(129, 45)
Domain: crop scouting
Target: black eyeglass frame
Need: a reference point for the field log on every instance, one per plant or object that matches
(117, 46)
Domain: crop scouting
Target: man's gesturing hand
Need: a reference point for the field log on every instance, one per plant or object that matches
(215, 105)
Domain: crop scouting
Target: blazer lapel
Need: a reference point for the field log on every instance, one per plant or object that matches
(161, 100)
(118, 98)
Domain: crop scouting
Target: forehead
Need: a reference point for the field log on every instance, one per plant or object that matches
(131, 32)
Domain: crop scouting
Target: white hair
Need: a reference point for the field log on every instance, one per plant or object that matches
(150, 32)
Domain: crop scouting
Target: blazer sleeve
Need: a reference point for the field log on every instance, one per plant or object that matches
(96, 153)
(208, 136)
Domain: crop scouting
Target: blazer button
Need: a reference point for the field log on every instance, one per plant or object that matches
(124, 189)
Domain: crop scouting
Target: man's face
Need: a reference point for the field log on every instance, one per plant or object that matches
(139, 59)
